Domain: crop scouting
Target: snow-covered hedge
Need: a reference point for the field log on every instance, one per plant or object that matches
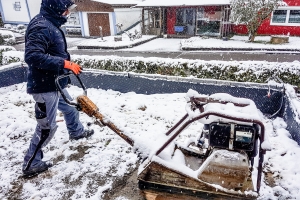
(243, 71)
(4, 49)
(12, 57)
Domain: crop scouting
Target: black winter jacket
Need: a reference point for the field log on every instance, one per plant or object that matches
(46, 48)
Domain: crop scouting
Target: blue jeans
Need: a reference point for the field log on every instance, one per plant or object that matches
(45, 112)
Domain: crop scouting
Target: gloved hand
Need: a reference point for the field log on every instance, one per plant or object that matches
(73, 67)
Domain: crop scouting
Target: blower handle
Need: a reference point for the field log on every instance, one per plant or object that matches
(63, 94)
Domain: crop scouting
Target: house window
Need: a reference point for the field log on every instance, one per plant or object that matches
(286, 17)
(17, 6)
(208, 20)
(185, 16)
(180, 16)
(279, 16)
(294, 16)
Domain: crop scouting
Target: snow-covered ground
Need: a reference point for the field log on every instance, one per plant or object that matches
(127, 39)
(109, 42)
(239, 42)
(262, 43)
(89, 169)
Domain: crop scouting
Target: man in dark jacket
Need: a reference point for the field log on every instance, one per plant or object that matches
(47, 57)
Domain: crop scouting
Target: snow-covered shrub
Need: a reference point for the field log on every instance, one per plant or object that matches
(12, 57)
(4, 49)
(21, 28)
(8, 37)
(2, 41)
(245, 71)
(8, 26)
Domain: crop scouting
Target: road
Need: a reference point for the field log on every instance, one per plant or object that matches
(225, 56)
(208, 55)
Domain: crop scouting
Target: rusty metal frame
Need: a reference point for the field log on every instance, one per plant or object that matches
(206, 114)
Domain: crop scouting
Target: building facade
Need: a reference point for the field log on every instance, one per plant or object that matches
(91, 17)
(19, 11)
(186, 18)
(189, 18)
(173, 18)
(283, 21)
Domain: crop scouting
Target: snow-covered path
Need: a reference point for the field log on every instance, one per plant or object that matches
(89, 169)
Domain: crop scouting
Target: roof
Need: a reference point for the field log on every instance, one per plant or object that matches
(168, 3)
(119, 2)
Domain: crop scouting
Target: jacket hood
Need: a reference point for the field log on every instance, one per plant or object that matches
(53, 10)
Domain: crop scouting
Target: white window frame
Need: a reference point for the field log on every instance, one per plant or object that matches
(288, 9)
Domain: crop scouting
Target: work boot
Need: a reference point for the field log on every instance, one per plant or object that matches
(85, 134)
(36, 169)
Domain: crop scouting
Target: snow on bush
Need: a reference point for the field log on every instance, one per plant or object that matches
(240, 71)
(8, 36)
(12, 57)
(4, 49)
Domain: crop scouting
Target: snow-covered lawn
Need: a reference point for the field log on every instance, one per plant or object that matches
(239, 42)
(175, 44)
(95, 168)
(109, 42)
(90, 169)
(157, 45)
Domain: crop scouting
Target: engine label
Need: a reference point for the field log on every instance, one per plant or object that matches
(242, 136)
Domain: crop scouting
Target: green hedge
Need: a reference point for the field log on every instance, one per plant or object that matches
(245, 71)
(5, 49)
(12, 57)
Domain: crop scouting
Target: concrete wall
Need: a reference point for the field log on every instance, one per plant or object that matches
(28, 9)
(128, 16)
(84, 24)
(34, 7)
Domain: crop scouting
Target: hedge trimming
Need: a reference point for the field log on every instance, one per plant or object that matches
(244, 71)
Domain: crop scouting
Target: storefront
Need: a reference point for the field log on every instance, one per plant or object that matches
(186, 19)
